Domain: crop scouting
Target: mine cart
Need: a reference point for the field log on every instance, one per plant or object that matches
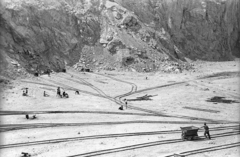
(189, 133)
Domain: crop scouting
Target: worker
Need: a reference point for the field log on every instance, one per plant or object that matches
(48, 72)
(206, 131)
(121, 107)
(65, 95)
(45, 94)
(59, 92)
(27, 116)
(25, 154)
(34, 117)
(76, 92)
(25, 93)
(126, 103)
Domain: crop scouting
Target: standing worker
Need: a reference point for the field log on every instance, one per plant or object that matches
(25, 93)
(48, 72)
(206, 131)
(45, 94)
(121, 107)
(59, 92)
(126, 103)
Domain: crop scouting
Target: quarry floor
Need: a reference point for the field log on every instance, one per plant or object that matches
(90, 124)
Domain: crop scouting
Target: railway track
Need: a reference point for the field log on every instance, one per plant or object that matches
(2, 113)
(10, 127)
(207, 149)
(117, 99)
(133, 85)
(72, 88)
(234, 95)
(143, 145)
(182, 82)
(85, 83)
(53, 141)
(132, 92)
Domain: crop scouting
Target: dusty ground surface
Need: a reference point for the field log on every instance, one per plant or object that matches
(90, 124)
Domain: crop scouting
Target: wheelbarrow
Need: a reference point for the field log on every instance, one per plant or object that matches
(189, 133)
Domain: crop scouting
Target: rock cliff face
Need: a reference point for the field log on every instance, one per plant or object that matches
(139, 35)
(203, 29)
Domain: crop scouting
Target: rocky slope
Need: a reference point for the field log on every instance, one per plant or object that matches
(143, 35)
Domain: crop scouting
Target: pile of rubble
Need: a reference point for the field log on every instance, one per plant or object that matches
(16, 70)
(174, 67)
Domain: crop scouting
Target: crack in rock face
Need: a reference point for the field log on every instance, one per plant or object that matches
(50, 35)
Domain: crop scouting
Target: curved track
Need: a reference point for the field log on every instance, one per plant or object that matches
(117, 99)
(134, 87)
(134, 91)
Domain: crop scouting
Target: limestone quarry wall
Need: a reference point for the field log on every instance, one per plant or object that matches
(202, 29)
(142, 35)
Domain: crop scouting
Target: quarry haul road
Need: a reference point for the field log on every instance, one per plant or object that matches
(52, 141)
